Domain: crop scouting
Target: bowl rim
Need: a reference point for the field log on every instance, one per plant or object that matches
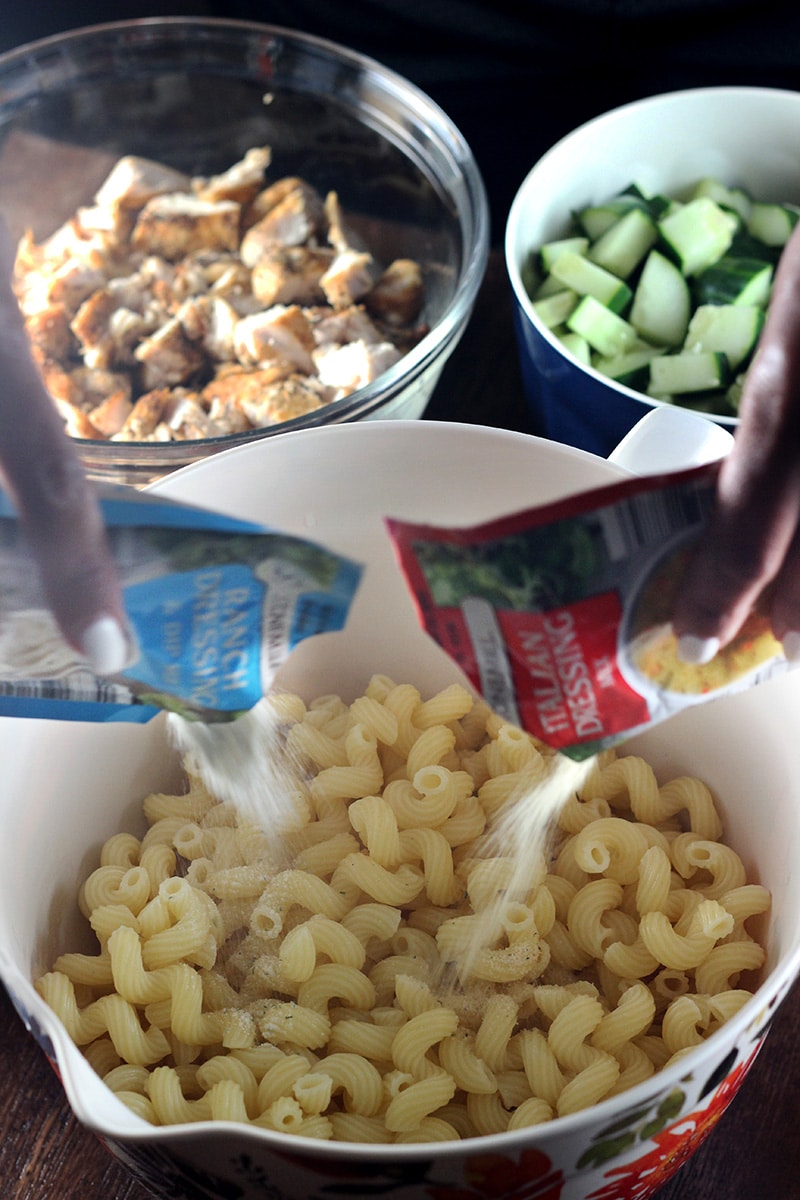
(516, 213)
(470, 207)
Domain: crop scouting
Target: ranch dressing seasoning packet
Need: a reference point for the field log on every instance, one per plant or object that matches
(560, 615)
(215, 606)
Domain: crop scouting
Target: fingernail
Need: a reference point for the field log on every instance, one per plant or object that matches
(697, 651)
(791, 646)
(105, 646)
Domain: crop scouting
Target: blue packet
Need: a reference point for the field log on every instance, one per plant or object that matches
(215, 606)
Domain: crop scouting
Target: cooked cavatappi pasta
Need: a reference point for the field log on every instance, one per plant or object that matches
(385, 983)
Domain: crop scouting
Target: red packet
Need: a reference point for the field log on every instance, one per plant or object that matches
(559, 615)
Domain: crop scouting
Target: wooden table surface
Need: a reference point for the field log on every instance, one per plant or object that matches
(754, 1152)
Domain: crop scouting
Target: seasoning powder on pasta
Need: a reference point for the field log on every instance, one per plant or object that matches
(411, 969)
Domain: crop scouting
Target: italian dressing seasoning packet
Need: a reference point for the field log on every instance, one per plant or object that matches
(560, 615)
(215, 606)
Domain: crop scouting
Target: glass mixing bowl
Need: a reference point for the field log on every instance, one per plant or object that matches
(197, 94)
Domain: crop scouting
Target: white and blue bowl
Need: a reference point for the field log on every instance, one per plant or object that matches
(67, 786)
(744, 136)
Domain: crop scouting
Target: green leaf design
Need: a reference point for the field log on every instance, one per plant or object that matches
(602, 1152)
(651, 1128)
(672, 1104)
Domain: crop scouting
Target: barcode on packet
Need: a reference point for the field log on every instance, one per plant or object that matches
(648, 519)
(53, 689)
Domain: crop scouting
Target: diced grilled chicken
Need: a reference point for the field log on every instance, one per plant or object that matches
(234, 284)
(146, 414)
(353, 365)
(133, 181)
(91, 326)
(273, 195)
(210, 320)
(297, 217)
(131, 291)
(72, 243)
(233, 392)
(126, 330)
(92, 403)
(398, 295)
(340, 234)
(50, 334)
(187, 419)
(110, 416)
(227, 415)
(343, 325)
(112, 220)
(282, 332)
(68, 285)
(77, 423)
(241, 182)
(284, 400)
(350, 276)
(155, 287)
(190, 279)
(176, 224)
(290, 275)
(168, 356)
(98, 385)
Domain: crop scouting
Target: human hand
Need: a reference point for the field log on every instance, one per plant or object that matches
(753, 540)
(57, 507)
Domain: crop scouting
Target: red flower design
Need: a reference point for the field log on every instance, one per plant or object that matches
(495, 1177)
(672, 1147)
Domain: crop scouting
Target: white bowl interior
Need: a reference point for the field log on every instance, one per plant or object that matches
(68, 786)
(746, 137)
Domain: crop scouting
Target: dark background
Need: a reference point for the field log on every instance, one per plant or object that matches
(513, 76)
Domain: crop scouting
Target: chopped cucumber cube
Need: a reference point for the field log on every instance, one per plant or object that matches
(622, 247)
(551, 251)
(744, 245)
(554, 310)
(734, 198)
(548, 287)
(698, 234)
(588, 279)
(661, 303)
(667, 295)
(578, 346)
(654, 203)
(735, 281)
(692, 371)
(772, 223)
(605, 331)
(595, 219)
(631, 369)
(732, 329)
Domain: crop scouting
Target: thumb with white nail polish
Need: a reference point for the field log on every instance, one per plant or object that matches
(106, 646)
(697, 651)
